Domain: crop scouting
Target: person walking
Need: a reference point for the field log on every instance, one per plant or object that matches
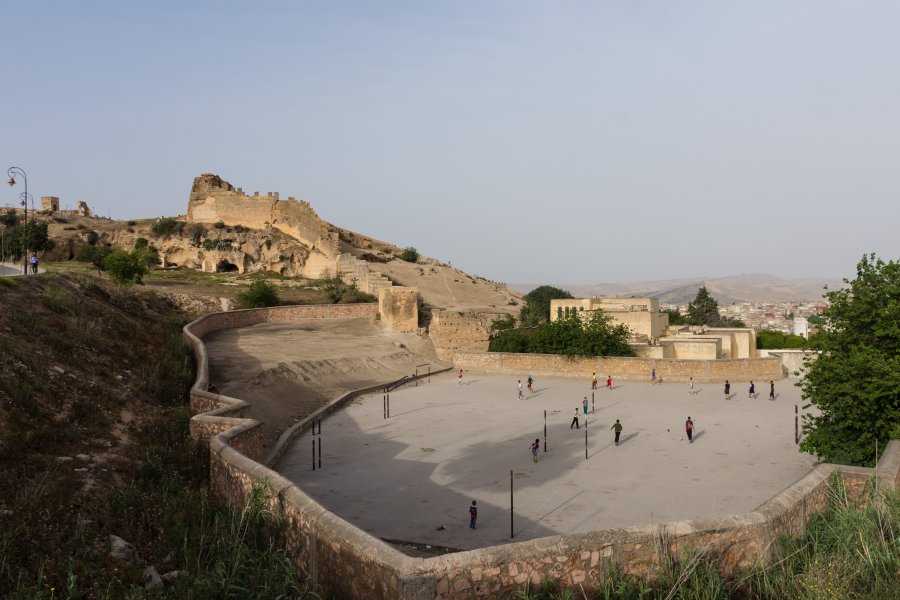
(752, 390)
(584, 404)
(537, 446)
(727, 389)
(609, 382)
(459, 378)
(594, 381)
(653, 377)
(530, 381)
(521, 395)
(691, 386)
(473, 515)
(689, 429)
(617, 427)
(771, 390)
(34, 263)
(575, 421)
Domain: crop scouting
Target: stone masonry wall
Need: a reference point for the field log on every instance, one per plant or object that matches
(348, 563)
(213, 199)
(627, 368)
(452, 331)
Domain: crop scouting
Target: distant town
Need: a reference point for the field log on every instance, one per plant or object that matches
(798, 318)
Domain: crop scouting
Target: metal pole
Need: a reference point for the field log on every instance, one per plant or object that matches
(592, 403)
(389, 405)
(429, 373)
(12, 172)
(314, 453)
(796, 426)
(585, 439)
(512, 533)
(384, 405)
(545, 430)
(320, 449)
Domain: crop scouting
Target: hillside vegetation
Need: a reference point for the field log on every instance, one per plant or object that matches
(94, 442)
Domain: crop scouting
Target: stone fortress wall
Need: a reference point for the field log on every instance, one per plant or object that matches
(349, 563)
(213, 199)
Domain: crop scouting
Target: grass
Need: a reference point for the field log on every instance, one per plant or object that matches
(94, 371)
(847, 553)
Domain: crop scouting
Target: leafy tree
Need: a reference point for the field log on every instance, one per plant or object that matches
(676, 318)
(855, 382)
(537, 305)
(569, 336)
(166, 226)
(94, 255)
(704, 310)
(259, 295)
(772, 339)
(503, 323)
(124, 267)
(141, 243)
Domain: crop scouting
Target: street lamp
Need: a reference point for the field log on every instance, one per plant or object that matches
(12, 172)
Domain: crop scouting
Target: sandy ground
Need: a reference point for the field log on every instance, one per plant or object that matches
(446, 444)
(288, 370)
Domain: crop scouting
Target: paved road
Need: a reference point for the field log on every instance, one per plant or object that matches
(10, 269)
(413, 476)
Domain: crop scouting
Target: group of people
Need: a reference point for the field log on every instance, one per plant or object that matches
(751, 392)
(609, 385)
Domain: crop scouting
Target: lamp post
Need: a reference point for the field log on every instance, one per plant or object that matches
(12, 172)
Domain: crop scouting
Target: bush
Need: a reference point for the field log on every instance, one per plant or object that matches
(219, 225)
(166, 226)
(94, 255)
(126, 268)
(259, 295)
(409, 255)
(141, 243)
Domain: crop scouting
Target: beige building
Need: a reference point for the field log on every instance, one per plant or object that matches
(640, 315)
(653, 337)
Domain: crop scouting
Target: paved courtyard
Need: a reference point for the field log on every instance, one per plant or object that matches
(412, 477)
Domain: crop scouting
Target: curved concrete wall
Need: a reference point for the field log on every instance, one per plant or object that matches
(349, 563)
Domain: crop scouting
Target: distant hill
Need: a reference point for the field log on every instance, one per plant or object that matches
(751, 287)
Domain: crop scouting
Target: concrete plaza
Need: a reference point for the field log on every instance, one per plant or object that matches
(412, 477)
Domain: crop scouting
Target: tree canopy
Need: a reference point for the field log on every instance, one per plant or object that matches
(704, 310)
(537, 305)
(594, 335)
(770, 338)
(855, 382)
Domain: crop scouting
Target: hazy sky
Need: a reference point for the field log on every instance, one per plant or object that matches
(522, 141)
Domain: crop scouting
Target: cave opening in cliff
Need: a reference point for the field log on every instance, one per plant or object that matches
(224, 266)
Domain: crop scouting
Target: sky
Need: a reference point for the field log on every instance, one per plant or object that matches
(522, 141)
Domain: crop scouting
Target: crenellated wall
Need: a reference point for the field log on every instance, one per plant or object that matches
(349, 563)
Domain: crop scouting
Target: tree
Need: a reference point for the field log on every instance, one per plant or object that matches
(772, 339)
(568, 336)
(94, 255)
(855, 382)
(704, 310)
(675, 317)
(537, 305)
(259, 295)
(124, 267)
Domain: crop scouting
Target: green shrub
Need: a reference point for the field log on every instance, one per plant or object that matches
(166, 226)
(219, 225)
(126, 268)
(259, 295)
(141, 243)
(132, 223)
(409, 254)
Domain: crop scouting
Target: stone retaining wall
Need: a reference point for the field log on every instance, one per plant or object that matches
(627, 368)
(349, 563)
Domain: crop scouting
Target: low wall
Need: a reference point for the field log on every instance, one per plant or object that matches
(627, 368)
(349, 563)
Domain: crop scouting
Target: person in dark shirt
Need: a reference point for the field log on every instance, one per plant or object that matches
(473, 515)
(617, 427)
(727, 389)
(771, 390)
(689, 429)
(575, 421)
